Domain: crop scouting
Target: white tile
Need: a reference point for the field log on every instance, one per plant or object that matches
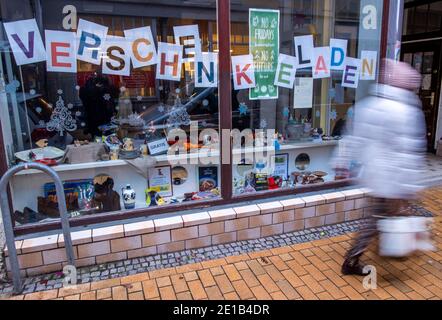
(293, 203)
(223, 214)
(168, 223)
(132, 229)
(39, 244)
(313, 200)
(269, 207)
(194, 219)
(106, 233)
(246, 211)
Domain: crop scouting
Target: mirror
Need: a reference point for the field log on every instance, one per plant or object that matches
(179, 175)
(302, 161)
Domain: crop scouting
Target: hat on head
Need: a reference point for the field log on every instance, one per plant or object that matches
(399, 74)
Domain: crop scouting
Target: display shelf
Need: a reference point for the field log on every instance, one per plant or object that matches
(165, 158)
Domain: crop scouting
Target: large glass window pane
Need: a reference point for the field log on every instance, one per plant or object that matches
(435, 16)
(98, 110)
(300, 118)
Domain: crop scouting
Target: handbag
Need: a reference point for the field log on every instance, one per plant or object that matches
(401, 236)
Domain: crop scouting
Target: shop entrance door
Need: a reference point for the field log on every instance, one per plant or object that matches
(424, 56)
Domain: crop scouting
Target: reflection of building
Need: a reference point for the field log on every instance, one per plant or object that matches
(421, 47)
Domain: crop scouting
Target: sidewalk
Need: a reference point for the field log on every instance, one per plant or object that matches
(302, 271)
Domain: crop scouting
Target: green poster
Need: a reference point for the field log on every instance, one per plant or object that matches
(264, 47)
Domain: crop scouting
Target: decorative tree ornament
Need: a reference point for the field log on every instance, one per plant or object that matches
(70, 106)
(350, 113)
(243, 109)
(333, 115)
(38, 109)
(32, 92)
(107, 96)
(178, 115)
(263, 124)
(61, 119)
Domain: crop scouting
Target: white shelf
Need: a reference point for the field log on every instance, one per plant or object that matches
(165, 158)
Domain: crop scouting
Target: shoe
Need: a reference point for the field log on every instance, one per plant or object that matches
(19, 218)
(353, 269)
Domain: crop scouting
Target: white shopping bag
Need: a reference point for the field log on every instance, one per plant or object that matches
(401, 236)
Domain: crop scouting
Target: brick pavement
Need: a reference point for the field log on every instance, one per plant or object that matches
(302, 271)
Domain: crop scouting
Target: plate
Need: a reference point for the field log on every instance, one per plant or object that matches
(320, 174)
(129, 155)
(41, 153)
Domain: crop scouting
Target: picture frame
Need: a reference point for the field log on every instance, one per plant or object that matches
(160, 180)
(207, 178)
(280, 164)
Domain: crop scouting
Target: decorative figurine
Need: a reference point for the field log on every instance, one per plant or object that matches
(153, 198)
(128, 144)
(105, 198)
(129, 196)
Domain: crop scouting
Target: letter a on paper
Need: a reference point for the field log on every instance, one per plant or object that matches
(321, 62)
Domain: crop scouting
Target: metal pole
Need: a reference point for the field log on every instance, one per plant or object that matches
(7, 221)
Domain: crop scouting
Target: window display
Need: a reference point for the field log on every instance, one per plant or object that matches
(99, 99)
(121, 99)
(296, 75)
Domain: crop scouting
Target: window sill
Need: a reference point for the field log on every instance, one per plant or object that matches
(203, 154)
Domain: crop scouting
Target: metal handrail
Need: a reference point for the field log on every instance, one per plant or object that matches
(7, 220)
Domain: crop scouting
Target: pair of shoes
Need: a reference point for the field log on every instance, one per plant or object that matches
(355, 268)
(28, 216)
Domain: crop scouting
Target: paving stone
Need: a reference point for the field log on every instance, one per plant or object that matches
(150, 263)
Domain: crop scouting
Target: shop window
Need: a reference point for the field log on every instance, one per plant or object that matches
(81, 92)
(422, 18)
(288, 123)
(435, 16)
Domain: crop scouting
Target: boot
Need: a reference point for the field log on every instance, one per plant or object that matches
(353, 267)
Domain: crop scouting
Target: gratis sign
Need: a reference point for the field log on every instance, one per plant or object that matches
(264, 48)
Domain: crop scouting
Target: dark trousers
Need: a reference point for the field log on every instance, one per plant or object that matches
(380, 207)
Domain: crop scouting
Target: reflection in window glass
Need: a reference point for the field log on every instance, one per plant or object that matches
(104, 121)
(300, 120)
(434, 16)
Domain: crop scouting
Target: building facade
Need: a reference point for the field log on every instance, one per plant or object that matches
(153, 113)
